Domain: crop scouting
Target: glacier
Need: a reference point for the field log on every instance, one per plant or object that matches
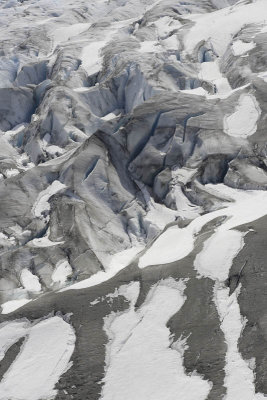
(133, 199)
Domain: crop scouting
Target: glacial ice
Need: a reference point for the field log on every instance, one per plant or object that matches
(132, 149)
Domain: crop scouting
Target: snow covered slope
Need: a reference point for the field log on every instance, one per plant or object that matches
(133, 202)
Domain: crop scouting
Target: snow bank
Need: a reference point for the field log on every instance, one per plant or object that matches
(216, 258)
(174, 244)
(140, 344)
(91, 58)
(239, 47)
(61, 272)
(29, 281)
(43, 359)
(243, 122)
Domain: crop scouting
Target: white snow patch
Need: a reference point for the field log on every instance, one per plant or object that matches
(53, 150)
(7, 240)
(10, 333)
(91, 54)
(197, 91)
(61, 272)
(23, 162)
(243, 122)
(94, 302)
(150, 46)
(214, 261)
(123, 258)
(176, 243)
(13, 132)
(109, 117)
(223, 91)
(140, 344)
(43, 241)
(165, 25)
(226, 244)
(170, 43)
(239, 379)
(239, 47)
(117, 262)
(11, 172)
(184, 207)
(44, 358)
(129, 291)
(29, 281)
(210, 72)
(91, 58)
(13, 305)
(263, 75)
(158, 216)
(42, 205)
(219, 27)
(83, 89)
